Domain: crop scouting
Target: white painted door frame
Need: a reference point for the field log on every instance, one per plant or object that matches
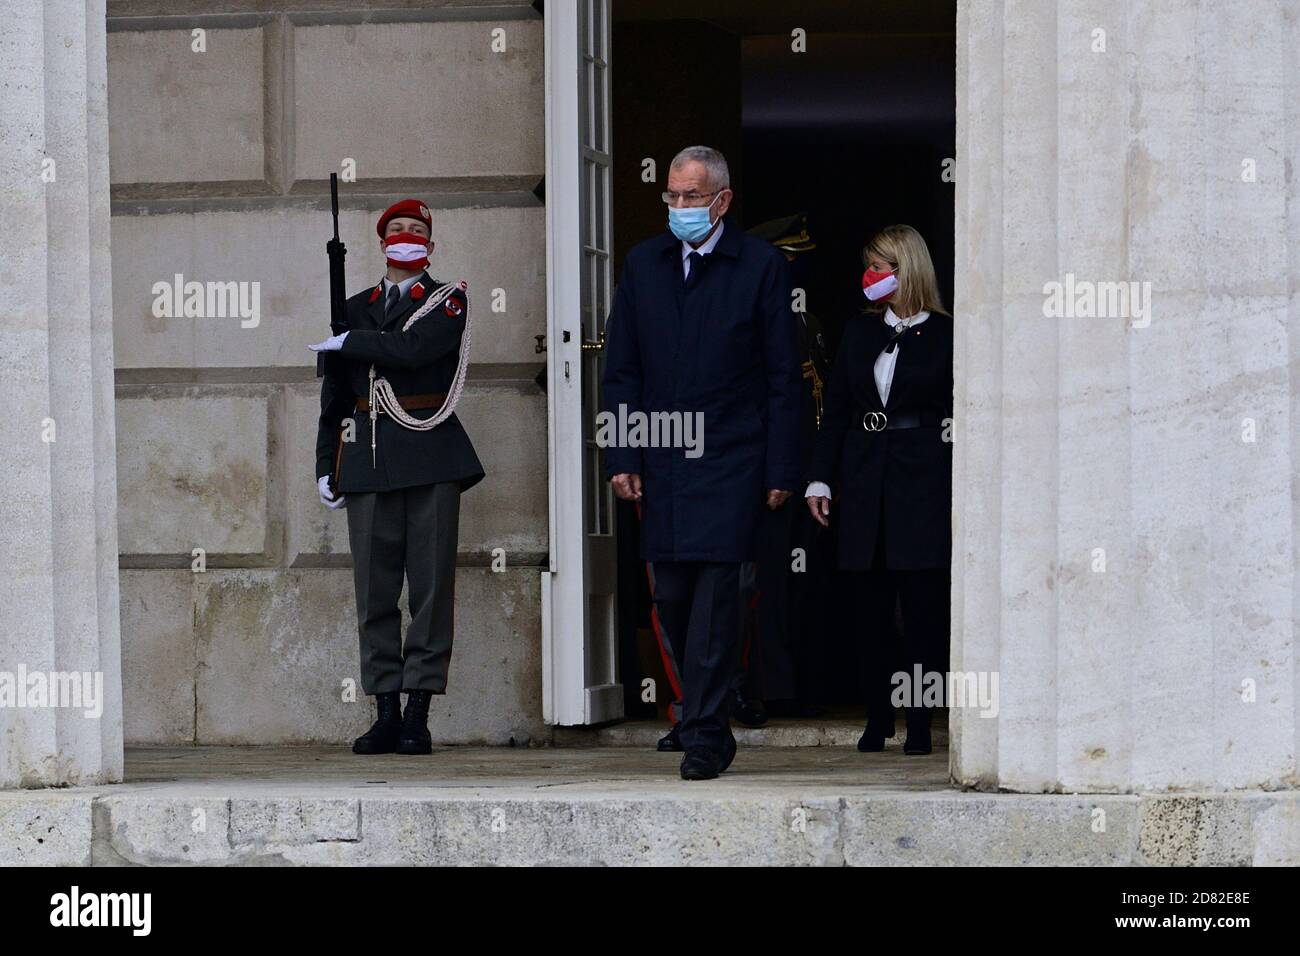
(579, 623)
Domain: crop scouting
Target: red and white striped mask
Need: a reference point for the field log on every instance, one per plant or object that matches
(406, 250)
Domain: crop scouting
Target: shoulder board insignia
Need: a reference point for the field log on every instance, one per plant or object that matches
(452, 307)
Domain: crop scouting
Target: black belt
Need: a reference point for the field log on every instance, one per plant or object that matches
(879, 421)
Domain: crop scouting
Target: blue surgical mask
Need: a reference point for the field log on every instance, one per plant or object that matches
(690, 224)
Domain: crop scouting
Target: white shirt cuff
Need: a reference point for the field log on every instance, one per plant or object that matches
(818, 489)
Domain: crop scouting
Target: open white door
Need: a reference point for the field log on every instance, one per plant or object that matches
(579, 633)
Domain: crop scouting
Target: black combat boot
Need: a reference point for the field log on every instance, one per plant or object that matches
(381, 738)
(414, 738)
(918, 732)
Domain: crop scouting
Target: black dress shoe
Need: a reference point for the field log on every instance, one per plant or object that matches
(917, 742)
(382, 736)
(414, 737)
(748, 710)
(700, 763)
(728, 751)
(670, 742)
(874, 736)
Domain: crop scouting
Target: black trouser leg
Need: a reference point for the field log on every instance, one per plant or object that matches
(698, 604)
(377, 534)
(877, 644)
(432, 523)
(924, 598)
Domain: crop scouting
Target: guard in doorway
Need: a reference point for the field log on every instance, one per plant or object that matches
(390, 449)
(701, 330)
(786, 587)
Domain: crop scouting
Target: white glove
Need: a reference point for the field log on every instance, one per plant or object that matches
(328, 500)
(331, 344)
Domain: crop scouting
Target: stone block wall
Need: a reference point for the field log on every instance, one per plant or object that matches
(221, 145)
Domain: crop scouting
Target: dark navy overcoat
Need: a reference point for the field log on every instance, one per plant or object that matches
(724, 344)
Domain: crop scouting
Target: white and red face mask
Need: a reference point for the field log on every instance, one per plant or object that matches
(406, 250)
(878, 285)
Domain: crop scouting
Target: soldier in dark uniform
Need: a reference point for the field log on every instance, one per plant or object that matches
(390, 449)
(783, 605)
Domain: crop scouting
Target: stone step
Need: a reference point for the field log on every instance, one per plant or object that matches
(613, 806)
(802, 732)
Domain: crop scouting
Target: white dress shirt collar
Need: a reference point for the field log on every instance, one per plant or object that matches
(894, 321)
(402, 286)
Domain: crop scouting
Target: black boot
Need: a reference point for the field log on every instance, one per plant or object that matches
(880, 727)
(873, 737)
(918, 732)
(415, 737)
(381, 738)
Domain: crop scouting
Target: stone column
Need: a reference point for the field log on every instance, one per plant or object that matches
(1126, 487)
(58, 508)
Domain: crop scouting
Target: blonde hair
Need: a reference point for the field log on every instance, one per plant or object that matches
(904, 249)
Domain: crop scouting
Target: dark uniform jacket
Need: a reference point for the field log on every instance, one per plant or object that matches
(726, 344)
(416, 362)
(812, 350)
(904, 476)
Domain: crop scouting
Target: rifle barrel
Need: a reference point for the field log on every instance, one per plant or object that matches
(334, 201)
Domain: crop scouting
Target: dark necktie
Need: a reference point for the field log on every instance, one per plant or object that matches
(394, 293)
(694, 259)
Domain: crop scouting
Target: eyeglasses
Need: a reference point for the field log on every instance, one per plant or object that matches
(692, 199)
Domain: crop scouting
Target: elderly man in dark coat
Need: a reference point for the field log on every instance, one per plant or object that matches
(703, 364)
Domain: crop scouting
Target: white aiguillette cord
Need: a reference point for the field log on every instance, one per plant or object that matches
(381, 392)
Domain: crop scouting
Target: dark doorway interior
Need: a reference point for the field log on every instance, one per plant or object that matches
(853, 132)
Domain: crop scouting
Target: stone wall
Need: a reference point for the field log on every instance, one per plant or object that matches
(220, 161)
(1126, 497)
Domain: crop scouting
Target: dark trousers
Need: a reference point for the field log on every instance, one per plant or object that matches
(921, 599)
(698, 607)
(411, 533)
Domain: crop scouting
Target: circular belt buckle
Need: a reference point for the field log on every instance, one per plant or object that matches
(874, 421)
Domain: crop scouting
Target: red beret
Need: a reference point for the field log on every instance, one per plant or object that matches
(411, 208)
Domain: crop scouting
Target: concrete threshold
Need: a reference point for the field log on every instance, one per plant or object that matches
(801, 732)
(600, 805)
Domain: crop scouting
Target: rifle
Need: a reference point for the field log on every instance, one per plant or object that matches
(338, 283)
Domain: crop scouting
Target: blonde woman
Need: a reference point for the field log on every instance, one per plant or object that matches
(882, 467)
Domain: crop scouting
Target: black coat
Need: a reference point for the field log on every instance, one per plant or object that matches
(416, 362)
(904, 475)
(724, 344)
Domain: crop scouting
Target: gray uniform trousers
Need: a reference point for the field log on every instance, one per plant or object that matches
(409, 532)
